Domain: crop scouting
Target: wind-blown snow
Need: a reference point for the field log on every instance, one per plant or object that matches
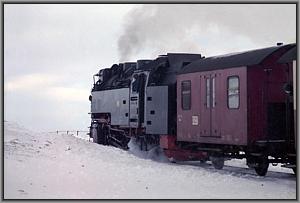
(44, 165)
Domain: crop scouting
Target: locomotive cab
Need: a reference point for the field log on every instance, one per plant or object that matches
(137, 92)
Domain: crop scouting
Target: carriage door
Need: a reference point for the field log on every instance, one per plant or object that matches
(278, 103)
(210, 110)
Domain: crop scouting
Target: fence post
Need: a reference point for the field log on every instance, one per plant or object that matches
(77, 132)
(67, 132)
(57, 132)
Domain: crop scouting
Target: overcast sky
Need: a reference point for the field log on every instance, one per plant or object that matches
(52, 51)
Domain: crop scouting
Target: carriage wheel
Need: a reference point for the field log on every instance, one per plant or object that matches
(203, 161)
(217, 162)
(172, 160)
(262, 166)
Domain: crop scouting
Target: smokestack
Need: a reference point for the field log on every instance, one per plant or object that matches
(127, 65)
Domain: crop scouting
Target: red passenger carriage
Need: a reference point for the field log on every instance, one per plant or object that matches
(238, 106)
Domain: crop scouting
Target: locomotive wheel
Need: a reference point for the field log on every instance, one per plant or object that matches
(95, 138)
(94, 133)
(105, 132)
(262, 166)
(99, 135)
(217, 162)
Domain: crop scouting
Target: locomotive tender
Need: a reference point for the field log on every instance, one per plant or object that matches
(240, 105)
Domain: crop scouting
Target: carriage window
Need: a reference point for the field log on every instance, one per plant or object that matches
(208, 92)
(186, 95)
(233, 92)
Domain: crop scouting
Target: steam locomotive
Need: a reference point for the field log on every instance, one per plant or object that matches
(239, 105)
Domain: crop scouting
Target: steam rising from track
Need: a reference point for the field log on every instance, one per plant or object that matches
(191, 28)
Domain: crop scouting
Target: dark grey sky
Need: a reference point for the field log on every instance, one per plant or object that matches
(52, 51)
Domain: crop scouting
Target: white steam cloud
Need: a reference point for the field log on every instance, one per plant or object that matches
(193, 27)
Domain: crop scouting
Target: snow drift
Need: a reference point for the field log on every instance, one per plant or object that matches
(51, 166)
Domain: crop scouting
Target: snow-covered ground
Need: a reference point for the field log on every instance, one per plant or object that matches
(51, 166)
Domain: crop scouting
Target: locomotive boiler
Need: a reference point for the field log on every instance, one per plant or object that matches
(239, 105)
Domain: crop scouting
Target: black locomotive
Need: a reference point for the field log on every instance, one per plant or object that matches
(177, 101)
